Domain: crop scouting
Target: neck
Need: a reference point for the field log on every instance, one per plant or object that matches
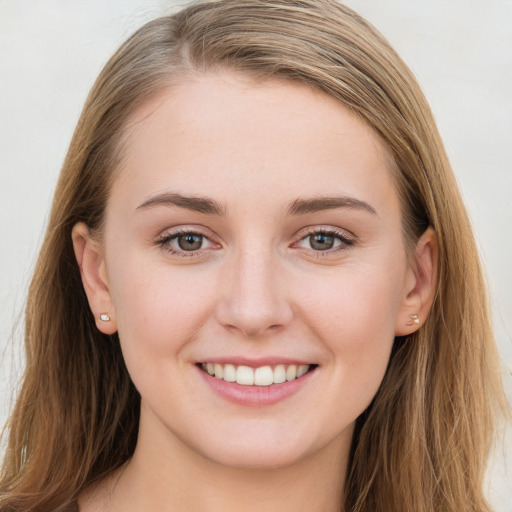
(166, 475)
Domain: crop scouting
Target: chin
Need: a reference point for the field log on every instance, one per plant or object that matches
(269, 458)
(267, 447)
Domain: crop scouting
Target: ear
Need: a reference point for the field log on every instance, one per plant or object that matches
(91, 262)
(420, 285)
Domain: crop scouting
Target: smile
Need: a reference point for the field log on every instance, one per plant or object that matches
(261, 376)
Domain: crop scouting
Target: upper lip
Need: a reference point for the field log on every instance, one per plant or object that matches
(255, 362)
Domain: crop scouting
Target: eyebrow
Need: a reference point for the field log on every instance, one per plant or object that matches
(303, 206)
(209, 206)
(194, 203)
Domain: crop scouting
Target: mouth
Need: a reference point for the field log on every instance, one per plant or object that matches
(268, 375)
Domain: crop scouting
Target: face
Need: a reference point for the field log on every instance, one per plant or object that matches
(254, 267)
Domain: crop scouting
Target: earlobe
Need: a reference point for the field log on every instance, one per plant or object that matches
(420, 285)
(91, 263)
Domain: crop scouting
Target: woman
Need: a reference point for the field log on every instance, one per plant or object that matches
(258, 286)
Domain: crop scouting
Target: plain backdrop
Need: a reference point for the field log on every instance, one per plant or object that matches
(52, 50)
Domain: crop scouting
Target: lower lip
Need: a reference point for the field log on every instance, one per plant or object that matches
(255, 395)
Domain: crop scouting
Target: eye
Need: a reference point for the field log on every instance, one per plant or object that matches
(185, 242)
(322, 241)
(325, 240)
(189, 241)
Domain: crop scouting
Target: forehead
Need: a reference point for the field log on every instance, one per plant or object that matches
(231, 137)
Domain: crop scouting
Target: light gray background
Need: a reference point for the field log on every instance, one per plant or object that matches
(52, 50)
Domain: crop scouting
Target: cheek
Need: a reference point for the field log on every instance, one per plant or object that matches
(355, 303)
(354, 315)
(158, 315)
(158, 309)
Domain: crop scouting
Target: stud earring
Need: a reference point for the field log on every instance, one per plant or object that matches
(414, 319)
(104, 317)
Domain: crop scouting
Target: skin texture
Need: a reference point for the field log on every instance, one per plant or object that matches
(256, 288)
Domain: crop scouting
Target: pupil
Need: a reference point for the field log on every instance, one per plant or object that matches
(190, 242)
(322, 242)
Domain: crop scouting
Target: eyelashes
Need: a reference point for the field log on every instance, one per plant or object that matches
(317, 240)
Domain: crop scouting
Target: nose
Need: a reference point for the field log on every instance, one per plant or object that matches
(254, 300)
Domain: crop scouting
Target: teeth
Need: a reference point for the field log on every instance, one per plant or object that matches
(245, 375)
(262, 376)
(291, 372)
(301, 370)
(219, 371)
(229, 373)
(279, 374)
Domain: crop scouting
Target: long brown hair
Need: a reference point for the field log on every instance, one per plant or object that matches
(423, 443)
